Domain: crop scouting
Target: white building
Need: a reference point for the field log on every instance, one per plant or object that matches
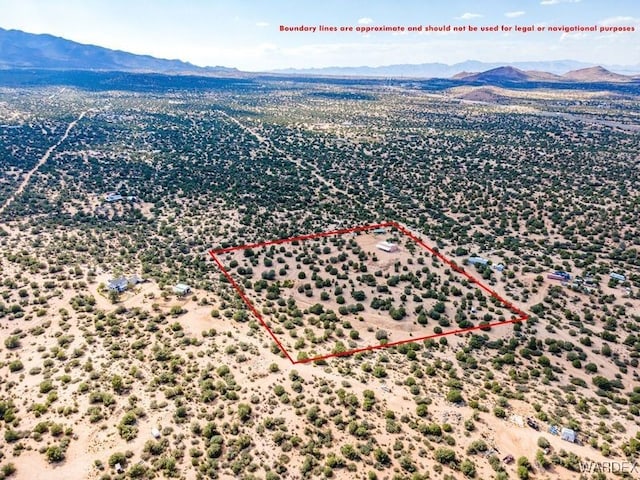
(181, 289)
(568, 435)
(112, 197)
(387, 247)
(618, 277)
(477, 261)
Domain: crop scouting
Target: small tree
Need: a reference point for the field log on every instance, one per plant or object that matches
(445, 455)
(117, 457)
(244, 412)
(454, 396)
(543, 442)
(117, 383)
(12, 342)
(468, 468)
(55, 454)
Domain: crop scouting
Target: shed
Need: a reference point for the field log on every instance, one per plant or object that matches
(155, 433)
(568, 435)
(379, 231)
(112, 197)
(387, 247)
(477, 261)
(118, 468)
(181, 289)
(499, 267)
(618, 277)
(118, 285)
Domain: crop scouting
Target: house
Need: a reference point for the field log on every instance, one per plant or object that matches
(181, 289)
(118, 285)
(477, 261)
(112, 197)
(135, 279)
(568, 435)
(618, 277)
(121, 284)
(387, 247)
(155, 433)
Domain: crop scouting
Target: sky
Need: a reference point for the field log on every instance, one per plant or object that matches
(246, 34)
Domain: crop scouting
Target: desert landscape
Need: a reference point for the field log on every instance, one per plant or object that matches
(127, 353)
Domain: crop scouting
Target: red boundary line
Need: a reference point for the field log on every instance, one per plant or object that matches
(215, 252)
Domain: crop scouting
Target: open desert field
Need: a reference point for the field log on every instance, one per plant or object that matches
(126, 352)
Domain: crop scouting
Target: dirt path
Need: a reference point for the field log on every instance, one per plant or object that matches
(42, 161)
(268, 143)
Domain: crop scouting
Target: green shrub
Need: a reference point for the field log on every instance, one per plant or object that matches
(468, 468)
(54, 454)
(15, 366)
(445, 456)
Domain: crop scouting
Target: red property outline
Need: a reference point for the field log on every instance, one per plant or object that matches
(214, 255)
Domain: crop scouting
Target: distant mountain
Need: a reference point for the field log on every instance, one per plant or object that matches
(507, 74)
(442, 70)
(498, 75)
(595, 74)
(460, 75)
(27, 50)
(510, 74)
(482, 94)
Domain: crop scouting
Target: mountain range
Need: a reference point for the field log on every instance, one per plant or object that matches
(22, 50)
(19, 49)
(442, 70)
(515, 75)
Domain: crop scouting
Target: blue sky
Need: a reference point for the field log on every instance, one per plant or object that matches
(246, 34)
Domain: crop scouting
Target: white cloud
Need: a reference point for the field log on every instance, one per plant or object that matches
(573, 36)
(555, 2)
(519, 13)
(620, 20)
(469, 16)
(365, 20)
(262, 24)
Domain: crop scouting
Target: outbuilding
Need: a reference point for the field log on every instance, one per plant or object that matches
(112, 197)
(387, 247)
(618, 277)
(181, 289)
(477, 261)
(568, 435)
